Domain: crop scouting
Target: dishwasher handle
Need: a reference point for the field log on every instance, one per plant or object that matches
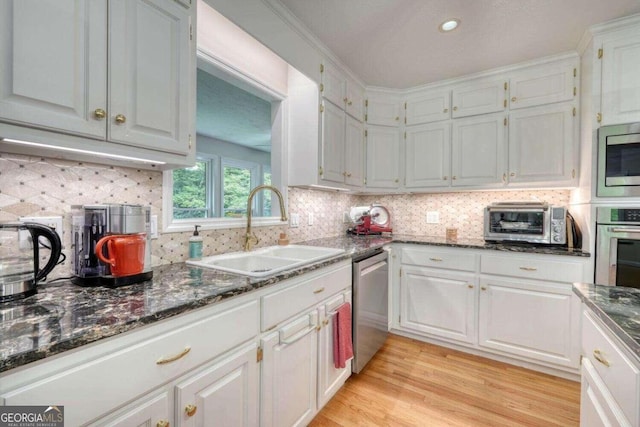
(372, 268)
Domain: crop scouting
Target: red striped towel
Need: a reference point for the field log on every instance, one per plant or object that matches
(342, 345)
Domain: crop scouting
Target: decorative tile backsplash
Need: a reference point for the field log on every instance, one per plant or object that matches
(35, 186)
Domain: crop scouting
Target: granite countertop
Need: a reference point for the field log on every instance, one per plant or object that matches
(618, 307)
(63, 316)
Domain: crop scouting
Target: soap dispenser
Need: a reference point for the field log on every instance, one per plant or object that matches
(195, 245)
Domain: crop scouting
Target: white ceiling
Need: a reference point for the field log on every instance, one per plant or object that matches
(396, 43)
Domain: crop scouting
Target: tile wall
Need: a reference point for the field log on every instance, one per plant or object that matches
(35, 186)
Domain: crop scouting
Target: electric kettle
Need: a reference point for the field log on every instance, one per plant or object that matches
(19, 258)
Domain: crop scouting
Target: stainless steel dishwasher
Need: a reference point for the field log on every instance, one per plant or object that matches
(370, 307)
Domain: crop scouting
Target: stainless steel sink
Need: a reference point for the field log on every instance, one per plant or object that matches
(267, 261)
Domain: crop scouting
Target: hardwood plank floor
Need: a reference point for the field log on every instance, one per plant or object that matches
(411, 383)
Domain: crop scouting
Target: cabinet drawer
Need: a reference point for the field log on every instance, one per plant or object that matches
(620, 375)
(122, 372)
(281, 305)
(531, 267)
(437, 258)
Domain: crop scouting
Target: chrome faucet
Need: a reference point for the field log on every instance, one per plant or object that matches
(249, 237)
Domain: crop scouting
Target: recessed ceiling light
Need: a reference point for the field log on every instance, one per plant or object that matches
(449, 25)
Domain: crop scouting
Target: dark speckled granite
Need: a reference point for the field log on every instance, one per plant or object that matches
(63, 316)
(618, 307)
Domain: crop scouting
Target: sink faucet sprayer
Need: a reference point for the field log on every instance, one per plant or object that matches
(250, 237)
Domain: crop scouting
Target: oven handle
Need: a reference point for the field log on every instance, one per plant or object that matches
(625, 230)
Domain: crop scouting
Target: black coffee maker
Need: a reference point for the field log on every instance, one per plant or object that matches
(20, 258)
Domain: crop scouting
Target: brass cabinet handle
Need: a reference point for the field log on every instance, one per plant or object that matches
(600, 358)
(163, 423)
(512, 174)
(164, 361)
(446, 110)
(120, 119)
(190, 410)
(317, 291)
(470, 286)
(529, 268)
(436, 259)
(99, 114)
(513, 99)
(504, 177)
(484, 288)
(455, 108)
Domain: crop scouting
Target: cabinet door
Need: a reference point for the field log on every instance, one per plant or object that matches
(383, 157)
(543, 85)
(354, 153)
(333, 85)
(541, 144)
(478, 150)
(54, 64)
(151, 72)
(479, 97)
(535, 320)
(384, 111)
(333, 123)
(428, 155)
(227, 392)
(438, 303)
(621, 81)
(289, 374)
(426, 108)
(148, 411)
(597, 407)
(355, 101)
(330, 378)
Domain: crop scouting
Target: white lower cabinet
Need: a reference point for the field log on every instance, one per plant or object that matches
(226, 393)
(450, 298)
(536, 320)
(151, 410)
(519, 306)
(610, 378)
(289, 372)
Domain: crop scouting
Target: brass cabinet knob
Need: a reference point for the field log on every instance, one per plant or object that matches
(470, 286)
(454, 177)
(483, 288)
(190, 410)
(397, 180)
(444, 178)
(99, 114)
(397, 118)
(325, 322)
(513, 99)
(163, 423)
(348, 175)
(504, 177)
(350, 103)
(512, 174)
(120, 119)
(446, 110)
(345, 99)
(455, 108)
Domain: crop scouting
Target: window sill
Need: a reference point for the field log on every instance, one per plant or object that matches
(180, 226)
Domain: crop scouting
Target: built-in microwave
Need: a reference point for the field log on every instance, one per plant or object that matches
(619, 160)
(530, 222)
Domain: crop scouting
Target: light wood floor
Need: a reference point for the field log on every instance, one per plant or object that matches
(410, 383)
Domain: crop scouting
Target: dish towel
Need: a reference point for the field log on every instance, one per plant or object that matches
(342, 345)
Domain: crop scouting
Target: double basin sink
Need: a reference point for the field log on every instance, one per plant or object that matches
(267, 261)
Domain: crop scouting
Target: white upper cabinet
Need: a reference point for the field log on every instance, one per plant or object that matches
(544, 84)
(150, 73)
(354, 153)
(333, 87)
(542, 144)
(480, 96)
(428, 155)
(427, 107)
(479, 151)
(621, 79)
(333, 133)
(383, 157)
(60, 76)
(54, 72)
(355, 100)
(382, 109)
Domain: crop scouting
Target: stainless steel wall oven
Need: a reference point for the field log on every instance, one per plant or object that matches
(618, 246)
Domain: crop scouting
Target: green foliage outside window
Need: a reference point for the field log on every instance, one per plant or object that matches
(189, 192)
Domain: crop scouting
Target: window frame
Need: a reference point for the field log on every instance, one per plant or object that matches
(279, 114)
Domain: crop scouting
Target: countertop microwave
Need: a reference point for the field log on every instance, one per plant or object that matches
(619, 160)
